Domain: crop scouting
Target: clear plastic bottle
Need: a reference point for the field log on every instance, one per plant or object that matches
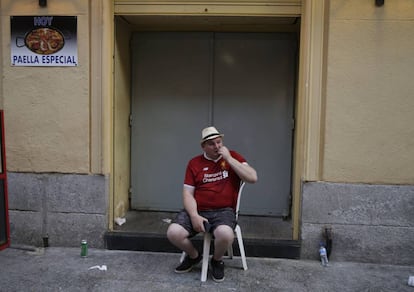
(323, 255)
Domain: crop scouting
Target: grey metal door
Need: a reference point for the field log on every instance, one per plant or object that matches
(243, 83)
(170, 103)
(254, 85)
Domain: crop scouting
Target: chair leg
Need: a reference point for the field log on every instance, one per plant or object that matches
(206, 254)
(182, 257)
(241, 246)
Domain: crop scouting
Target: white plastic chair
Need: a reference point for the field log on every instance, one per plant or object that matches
(207, 242)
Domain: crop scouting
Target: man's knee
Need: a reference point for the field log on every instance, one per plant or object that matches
(176, 231)
(224, 232)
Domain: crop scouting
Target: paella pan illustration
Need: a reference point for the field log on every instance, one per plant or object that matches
(43, 40)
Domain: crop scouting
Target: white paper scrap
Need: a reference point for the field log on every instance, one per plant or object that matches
(411, 281)
(101, 268)
(120, 221)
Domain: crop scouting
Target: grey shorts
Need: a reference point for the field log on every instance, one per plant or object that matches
(217, 217)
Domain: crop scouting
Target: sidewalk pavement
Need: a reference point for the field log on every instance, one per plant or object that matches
(62, 269)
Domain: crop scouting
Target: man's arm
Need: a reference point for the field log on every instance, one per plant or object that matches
(243, 170)
(190, 205)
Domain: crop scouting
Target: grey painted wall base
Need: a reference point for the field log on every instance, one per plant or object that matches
(65, 207)
(370, 223)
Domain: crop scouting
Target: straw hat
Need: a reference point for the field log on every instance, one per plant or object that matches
(209, 133)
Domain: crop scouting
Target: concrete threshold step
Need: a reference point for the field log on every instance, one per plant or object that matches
(254, 247)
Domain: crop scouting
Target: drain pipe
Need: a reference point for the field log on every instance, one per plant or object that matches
(327, 234)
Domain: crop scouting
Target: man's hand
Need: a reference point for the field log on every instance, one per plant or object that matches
(224, 151)
(243, 170)
(198, 223)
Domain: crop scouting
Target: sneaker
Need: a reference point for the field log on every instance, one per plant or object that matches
(187, 264)
(217, 270)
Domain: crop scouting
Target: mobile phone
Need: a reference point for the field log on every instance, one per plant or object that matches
(207, 226)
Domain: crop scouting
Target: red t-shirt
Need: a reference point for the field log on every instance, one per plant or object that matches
(216, 184)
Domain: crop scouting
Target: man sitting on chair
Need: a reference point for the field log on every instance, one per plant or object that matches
(210, 191)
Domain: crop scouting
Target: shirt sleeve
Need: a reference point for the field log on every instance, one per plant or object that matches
(188, 187)
(238, 156)
(189, 179)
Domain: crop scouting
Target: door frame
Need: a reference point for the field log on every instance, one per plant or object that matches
(310, 99)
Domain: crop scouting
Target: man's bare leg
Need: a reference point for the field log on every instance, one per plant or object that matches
(224, 237)
(178, 236)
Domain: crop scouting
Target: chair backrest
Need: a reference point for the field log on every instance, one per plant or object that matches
(238, 199)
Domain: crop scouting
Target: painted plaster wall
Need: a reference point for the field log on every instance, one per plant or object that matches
(52, 192)
(369, 134)
(366, 191)
(47, 108)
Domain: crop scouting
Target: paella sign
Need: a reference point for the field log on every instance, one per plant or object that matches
(44, 41)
